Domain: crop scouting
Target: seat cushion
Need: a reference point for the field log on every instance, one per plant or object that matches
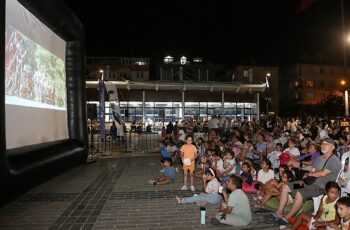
(308, 206)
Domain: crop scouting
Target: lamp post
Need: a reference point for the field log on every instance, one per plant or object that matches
(346, 102)
(268, 75)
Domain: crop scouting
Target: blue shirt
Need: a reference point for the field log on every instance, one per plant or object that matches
(170, 172)
(165, 152)
(313, 157)
(248, 177)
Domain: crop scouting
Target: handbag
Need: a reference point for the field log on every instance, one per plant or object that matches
(311, 179)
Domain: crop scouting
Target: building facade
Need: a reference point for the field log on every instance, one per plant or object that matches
(164, 100)
(269, 99)
(312, 83)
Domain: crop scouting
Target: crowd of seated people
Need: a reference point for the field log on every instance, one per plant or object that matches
(292, 160)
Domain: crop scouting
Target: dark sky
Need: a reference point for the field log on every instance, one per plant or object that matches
(236, 32)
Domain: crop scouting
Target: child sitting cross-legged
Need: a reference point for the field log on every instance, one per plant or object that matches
(168, 176)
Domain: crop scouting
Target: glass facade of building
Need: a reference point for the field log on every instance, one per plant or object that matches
(172, 111)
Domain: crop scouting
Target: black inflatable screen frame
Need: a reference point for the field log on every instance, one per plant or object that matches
(24, 167)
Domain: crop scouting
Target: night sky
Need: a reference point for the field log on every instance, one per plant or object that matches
(236, 32)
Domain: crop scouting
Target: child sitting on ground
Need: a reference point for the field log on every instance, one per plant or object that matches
(247, 177)
(210, 195)
(274, 189)
(168, 176)
(326, 213)
(204, 165)
(343, 210)
(273, 182)
(265, 174)
(229, 164)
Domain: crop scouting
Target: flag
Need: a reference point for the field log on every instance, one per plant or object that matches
(304, 5)
(101, 108)
(114, 103)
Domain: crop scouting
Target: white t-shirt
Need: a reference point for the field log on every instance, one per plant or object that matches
(274, 158)
(220, 165)
(228, 164)
(213, 123)
(264, 177)
(294, 151)
(182, 136)
(212, 186)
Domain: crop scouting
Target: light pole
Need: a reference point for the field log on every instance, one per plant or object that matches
(268, 75)
(346, 101)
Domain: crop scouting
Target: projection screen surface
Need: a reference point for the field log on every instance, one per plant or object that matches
(35, 80)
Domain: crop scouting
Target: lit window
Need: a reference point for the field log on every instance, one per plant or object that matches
(309, 83)
(245, 73)
(183, 60)
(168, 59)
(141, 63)
(197, 60)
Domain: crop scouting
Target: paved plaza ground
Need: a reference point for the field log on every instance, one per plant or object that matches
(111, 193)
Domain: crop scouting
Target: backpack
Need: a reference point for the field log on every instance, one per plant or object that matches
(284, 158)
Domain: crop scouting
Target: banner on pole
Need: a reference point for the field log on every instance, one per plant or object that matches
(101, 108)
(115, 107)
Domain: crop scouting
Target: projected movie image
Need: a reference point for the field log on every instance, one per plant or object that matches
(33, 75)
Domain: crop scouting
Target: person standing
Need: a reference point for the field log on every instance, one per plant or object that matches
(188, 156)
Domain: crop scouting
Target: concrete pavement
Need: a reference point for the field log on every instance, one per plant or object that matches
(111, 193)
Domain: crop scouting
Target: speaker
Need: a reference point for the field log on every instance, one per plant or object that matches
(91, 111)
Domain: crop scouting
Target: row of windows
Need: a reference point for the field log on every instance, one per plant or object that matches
(312, 96)
(322, 70)
(309, 83)
(172, 111)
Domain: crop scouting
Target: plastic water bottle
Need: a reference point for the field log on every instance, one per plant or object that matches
(202, 209)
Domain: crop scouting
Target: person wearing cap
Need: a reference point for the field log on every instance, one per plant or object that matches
(211, 187)
(327, 168)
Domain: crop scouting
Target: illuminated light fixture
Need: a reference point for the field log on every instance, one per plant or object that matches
(168, 59)
(101, 71)
(140, 63)
(128, 85)
(348, 38)
(267, 83)
(197, 60)
(183, 60)
(211, 88)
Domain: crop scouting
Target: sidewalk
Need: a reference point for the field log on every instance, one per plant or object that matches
(111, 193)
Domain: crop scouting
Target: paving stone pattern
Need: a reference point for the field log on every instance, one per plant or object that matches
(111, 194)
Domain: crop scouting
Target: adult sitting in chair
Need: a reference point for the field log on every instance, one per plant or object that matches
(327, 168)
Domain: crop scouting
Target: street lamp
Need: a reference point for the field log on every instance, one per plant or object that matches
(346, 102)
(101, 71)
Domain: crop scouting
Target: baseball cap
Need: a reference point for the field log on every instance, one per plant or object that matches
(328, 140)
